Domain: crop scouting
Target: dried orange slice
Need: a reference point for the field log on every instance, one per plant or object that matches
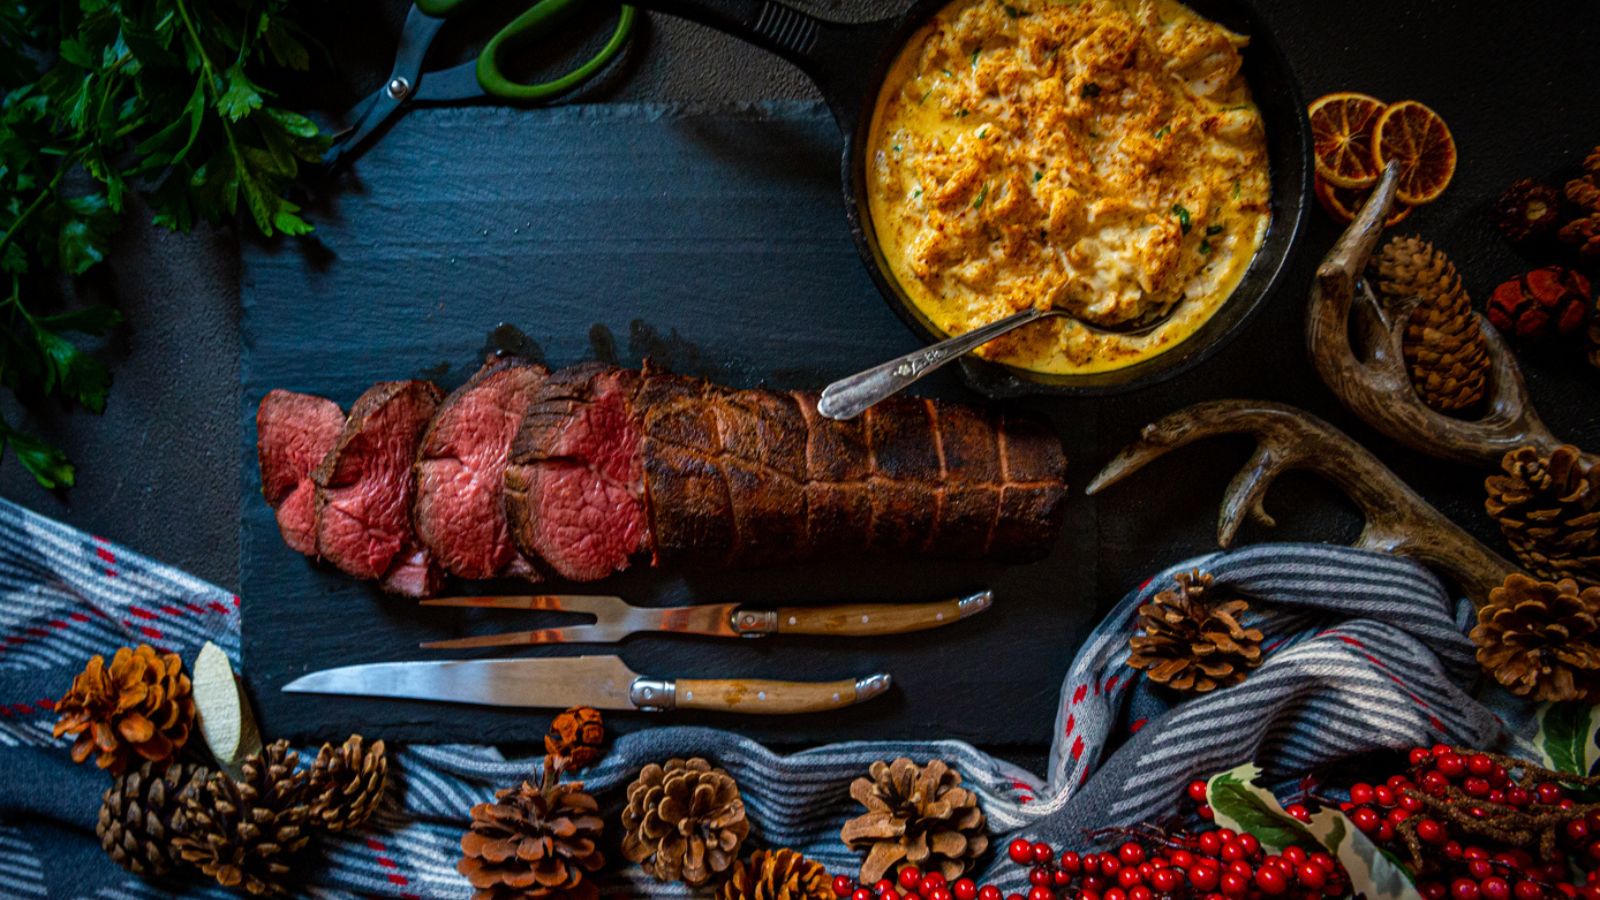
(1342, 130)
(1343, 203)
(1414, 136)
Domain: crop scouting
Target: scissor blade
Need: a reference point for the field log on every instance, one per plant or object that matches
(415, 38)
(599, 681)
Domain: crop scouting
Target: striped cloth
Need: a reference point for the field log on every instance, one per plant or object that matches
(1366, 652)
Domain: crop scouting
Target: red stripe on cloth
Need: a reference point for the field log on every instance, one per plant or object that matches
(46, 704)
(1077, 747)
(78, 616)
(36, 631)
(111, 573)
(141, 613)
(147, 631)
(1134, 728)
(171, 610)
(1080, 693)
(214, 606)
(388, 863)
(23, 709)
(57, 623)
(1111, 683)
(375, 844)
(1072, 723)
(104, 554)
(235, 600)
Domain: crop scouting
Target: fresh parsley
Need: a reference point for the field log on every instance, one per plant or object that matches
(983, 194)
(1184, 220)
(1090, 90)
(1213, 230)
(109, 98)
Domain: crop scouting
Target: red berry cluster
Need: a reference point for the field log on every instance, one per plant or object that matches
(1218, 864)
(1411, 814)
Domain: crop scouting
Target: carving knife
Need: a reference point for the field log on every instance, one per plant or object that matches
(603, 682)
(615, 619)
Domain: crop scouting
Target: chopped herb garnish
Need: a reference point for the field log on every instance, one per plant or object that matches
(1183, 216)
(983, 193)
(1094, 136)
(961, 113)
(975, 56)
(1236, 189)
(1044, 235)
(1013, 12)
(1213, 229)
(948, 73)
(916, 193)
(1163, 131)
(1205, 246)
(897, 148)
(924, 98)
(1037, 176)
(1090, 90)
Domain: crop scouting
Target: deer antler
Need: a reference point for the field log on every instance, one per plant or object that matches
(1398, 520)
(1374, 384)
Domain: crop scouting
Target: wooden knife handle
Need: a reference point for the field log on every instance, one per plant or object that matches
(878, 619)
(768, 698)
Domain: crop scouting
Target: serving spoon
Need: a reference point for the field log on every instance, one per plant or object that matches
(851, 396)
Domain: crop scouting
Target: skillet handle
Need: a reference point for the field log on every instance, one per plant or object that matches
(838, 56)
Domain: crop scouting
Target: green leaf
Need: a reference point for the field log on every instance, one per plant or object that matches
(1239, 804)
(78, 375)
(287, 49)
(1184, 219)
(241, 96)
(97, 320)
(85, 234)
(48, 465)
(1566, 738)
(1374, 872)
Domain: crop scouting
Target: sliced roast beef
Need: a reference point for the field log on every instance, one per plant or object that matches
(364, 485)
(574, 489)
(293, 433)
(737, 478)
(459, 510)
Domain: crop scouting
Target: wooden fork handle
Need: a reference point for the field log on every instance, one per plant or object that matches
(767, 698)
(877, 619)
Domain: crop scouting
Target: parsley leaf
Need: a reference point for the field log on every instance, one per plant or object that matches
(105, 99)
(1182, 213)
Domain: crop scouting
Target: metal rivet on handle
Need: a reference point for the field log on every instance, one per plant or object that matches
(398, 88)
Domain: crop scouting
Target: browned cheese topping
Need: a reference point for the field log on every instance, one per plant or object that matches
(1100, 156)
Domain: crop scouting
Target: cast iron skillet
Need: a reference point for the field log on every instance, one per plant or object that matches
(849, 62)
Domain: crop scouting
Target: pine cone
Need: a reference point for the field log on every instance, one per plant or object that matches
(777, 875)
(346, 783)
(138, 708)
(1583, 231)
(1528, 211)
(684, 821)
(142, 812)
(534, 842)
(1547, 301)
(1542, 639)
(1549, 511)
(1442, 345)
(244, 832)
(916, 815)
(576, 736)
(1192, 642)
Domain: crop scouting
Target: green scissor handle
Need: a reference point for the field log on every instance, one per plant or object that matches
(540, 19)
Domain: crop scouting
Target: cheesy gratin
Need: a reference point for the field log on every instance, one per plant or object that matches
(1099, 156)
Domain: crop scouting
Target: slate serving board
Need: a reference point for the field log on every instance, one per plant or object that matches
(713, 240)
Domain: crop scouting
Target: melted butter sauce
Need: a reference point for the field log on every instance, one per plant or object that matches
(1099, 156)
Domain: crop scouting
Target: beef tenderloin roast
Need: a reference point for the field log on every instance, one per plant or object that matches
(459, 509)
(364, 487)
(293, 433)
(574, 487)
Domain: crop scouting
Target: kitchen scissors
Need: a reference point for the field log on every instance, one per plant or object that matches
(482, 77)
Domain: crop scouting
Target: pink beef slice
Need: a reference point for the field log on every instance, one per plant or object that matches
(414, 573)
(293, 434)
(575, 485)
(459, 512)
(364, 486)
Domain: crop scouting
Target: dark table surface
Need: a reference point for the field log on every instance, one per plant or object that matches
(160, 469)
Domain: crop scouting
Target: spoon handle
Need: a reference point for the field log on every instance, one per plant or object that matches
(850, 397)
